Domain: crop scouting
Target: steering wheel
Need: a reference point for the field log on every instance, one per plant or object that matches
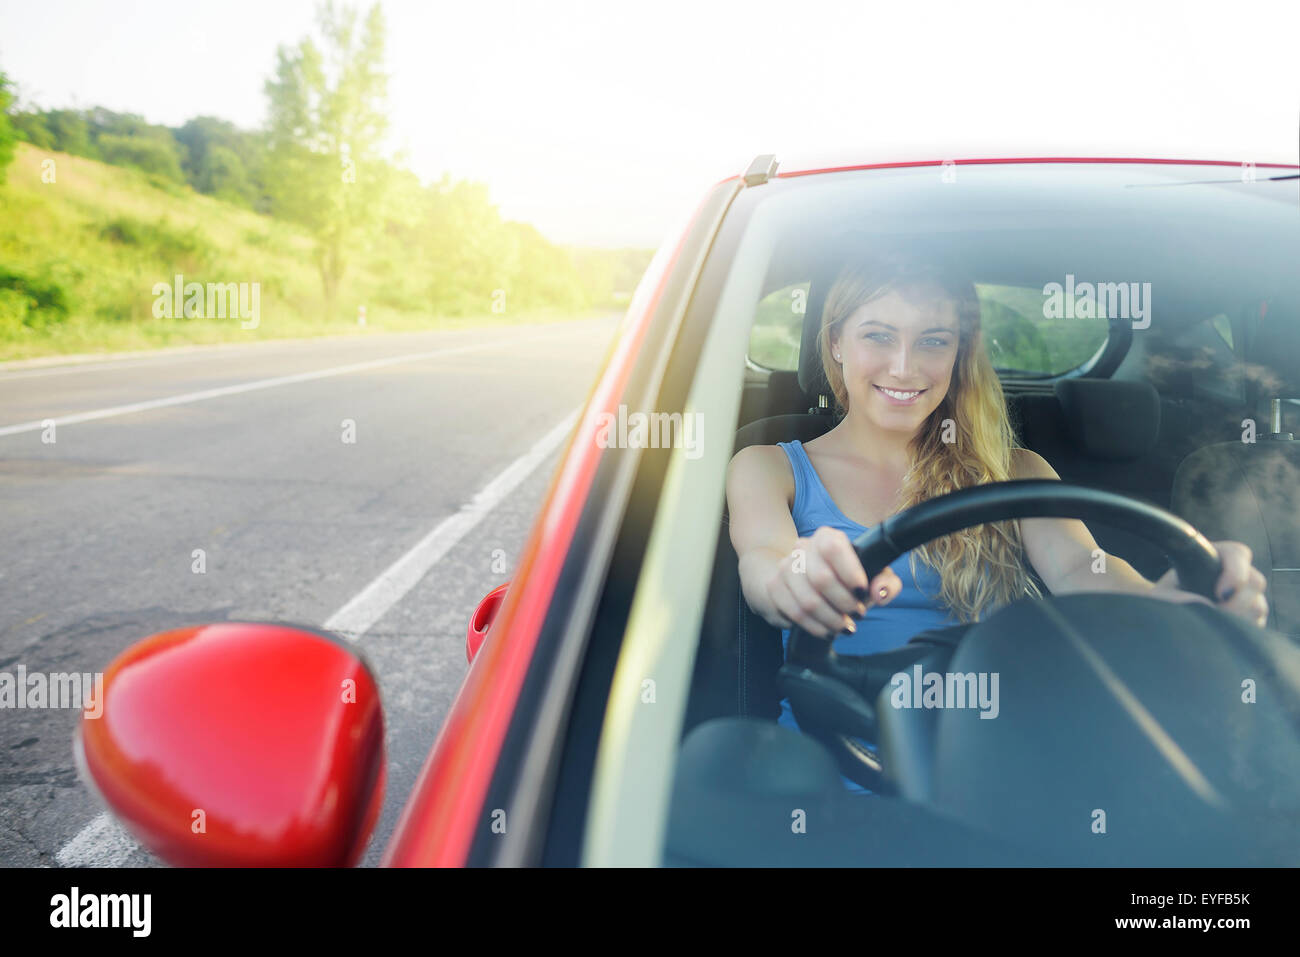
(827, 690)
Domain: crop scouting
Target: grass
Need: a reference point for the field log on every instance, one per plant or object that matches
(79, 257)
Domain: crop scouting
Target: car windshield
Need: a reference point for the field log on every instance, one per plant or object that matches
(1133, 280)
(1205, 248)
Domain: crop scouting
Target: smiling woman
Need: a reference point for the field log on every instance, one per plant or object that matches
(902, 351)
(901, 346)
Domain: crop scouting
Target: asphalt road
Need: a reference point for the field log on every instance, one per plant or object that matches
(242, 452)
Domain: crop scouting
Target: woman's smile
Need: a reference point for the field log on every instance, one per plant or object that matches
(898, 396)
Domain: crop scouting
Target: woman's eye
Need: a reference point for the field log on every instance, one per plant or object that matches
(929, 342)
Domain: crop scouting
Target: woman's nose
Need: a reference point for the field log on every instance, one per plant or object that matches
(900, 363)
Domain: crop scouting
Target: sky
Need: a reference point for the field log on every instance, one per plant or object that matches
(601, 123)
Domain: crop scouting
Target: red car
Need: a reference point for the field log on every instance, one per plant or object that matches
(621, 709)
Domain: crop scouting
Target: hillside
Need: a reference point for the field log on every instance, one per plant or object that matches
(80, 257)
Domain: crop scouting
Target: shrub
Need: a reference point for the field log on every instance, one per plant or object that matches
(172, 246)
(31, 299)
(7, 134)
(150, 156)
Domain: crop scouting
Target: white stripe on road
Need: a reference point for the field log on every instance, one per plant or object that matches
(188, 397)
(129, 361)
(356, 617)
(101, 843)
(104, 843)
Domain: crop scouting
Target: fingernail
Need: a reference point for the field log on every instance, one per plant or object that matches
(862, 609)
(884, 592)
(851, 628)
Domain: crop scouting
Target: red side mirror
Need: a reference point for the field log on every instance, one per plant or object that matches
(482, 619)
(237, 745)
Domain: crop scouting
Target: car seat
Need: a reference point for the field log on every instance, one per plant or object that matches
(1249, 491)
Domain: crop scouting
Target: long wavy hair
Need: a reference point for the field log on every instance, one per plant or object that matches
(982, 567)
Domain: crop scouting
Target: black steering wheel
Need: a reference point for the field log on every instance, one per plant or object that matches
(829, 692)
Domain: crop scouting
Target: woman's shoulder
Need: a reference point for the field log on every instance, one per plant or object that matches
(1027, 464)
(763, 465)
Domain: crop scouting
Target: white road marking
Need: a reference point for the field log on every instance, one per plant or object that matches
(112, 365)
(101, 843)
(187, 397)
(42, 366)
(356, 617)
(105, 843)
(111, 361)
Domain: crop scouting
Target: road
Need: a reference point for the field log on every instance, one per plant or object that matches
(277, 481)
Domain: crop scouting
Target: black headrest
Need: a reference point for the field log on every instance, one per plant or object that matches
(1109, 419)
(811, 377)
(780, 428)
(783, 428)
(1273, 354)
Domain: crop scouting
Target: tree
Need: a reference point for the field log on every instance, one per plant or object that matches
(31, 127)
(223, 160)
(223, 175)
(70, 132)
(7, 135)
(463, 236)
(326, 122)
(146, 154)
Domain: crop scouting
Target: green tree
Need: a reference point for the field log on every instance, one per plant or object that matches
(71, 133)
(470, 254)
(223, 160)
(7, 135)
(545, 275)
(222, 175)
(32, 128)
(146, 154)
(1016, 343)
(326, 122)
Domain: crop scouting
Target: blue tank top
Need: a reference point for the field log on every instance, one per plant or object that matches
(914, 610)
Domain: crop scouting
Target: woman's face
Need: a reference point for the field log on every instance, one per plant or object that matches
(897, 356)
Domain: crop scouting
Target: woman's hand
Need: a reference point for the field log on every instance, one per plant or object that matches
(1240, 588)
(822, 582)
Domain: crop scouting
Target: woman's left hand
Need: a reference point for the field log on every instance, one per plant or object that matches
(1240, 588)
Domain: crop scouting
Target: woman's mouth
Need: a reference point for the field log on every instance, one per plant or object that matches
(899, 396)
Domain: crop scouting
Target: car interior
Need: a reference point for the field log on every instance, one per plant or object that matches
(1117, 434)
(1190, 415)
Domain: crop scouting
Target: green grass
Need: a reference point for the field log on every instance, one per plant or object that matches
(774, 339)
(79, 258)
(1019, 337)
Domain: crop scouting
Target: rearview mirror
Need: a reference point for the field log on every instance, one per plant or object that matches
(240, 745)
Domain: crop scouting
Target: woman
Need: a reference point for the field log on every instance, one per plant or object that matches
(924, 415)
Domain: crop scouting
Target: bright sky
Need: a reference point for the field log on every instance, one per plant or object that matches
(601, 122)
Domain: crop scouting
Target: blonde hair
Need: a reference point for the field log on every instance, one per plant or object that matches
(980, 567)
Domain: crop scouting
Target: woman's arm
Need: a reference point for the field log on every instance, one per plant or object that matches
(1068, 559)
(816, 582)
(1063, 551)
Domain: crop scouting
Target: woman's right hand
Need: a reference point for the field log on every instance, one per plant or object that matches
(821, 583)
